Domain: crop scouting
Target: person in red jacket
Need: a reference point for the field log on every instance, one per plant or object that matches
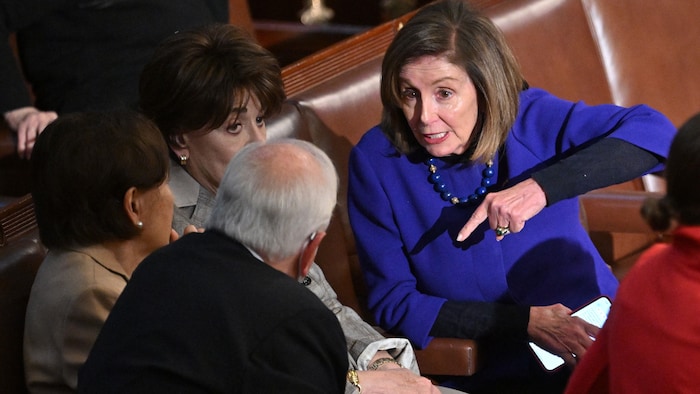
(650, 342)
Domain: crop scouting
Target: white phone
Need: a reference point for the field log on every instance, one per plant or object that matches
(595, 312)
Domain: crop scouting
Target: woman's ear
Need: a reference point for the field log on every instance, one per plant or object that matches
(309, 253)
(133, 206)
(178, 144)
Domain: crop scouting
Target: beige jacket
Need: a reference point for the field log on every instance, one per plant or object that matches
(71, 297)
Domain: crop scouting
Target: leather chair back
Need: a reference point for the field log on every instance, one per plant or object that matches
(553, 44)
(651, 52)
(21, 253)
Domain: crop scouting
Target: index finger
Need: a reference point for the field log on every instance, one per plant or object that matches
(478, 217)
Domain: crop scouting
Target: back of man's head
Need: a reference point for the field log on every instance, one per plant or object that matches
(275, 195)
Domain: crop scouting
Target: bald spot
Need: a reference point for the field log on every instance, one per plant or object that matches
(284, 162)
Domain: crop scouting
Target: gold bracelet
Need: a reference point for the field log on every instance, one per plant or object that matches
(354, 380)
(381, 361)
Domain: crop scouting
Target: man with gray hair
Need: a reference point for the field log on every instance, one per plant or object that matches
(275, 198)
(217, 311)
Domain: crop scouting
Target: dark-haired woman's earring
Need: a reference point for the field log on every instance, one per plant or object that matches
(183, 160)
(139, 225)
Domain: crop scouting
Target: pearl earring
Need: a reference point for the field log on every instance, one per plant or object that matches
(139, 225)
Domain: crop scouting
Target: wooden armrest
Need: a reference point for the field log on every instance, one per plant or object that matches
(448, 356)
(616, 211)
(617, 228)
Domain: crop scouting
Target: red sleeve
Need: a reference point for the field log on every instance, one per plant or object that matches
(591, 375)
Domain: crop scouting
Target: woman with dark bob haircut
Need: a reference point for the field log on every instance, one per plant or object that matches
(439, 194)
(209, 90)
(655, 317)
(99, 185)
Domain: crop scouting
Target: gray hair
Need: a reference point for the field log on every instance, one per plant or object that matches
(274, 195)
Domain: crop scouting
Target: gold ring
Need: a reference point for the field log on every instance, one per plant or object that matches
(502, 231)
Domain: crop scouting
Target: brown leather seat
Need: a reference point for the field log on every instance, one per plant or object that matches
(21, 253)
(651, 53)
(554, 46)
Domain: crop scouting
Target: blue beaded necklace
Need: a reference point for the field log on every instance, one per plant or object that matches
(436, 180)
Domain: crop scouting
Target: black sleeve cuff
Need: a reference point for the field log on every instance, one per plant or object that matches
(607, 162)
(481, 320)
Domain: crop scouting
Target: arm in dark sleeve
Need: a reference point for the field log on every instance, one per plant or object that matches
(479, 320)
(14, 92)
(606, 162)
(14, 17)
(305, 354)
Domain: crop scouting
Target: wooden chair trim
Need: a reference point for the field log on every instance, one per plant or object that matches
(340, 57)
(448, 356)
(616, 211)
(17, 219)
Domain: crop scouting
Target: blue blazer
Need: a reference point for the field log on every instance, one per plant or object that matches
(406, 233)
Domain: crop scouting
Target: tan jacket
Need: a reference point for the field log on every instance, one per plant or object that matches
(71, 297)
